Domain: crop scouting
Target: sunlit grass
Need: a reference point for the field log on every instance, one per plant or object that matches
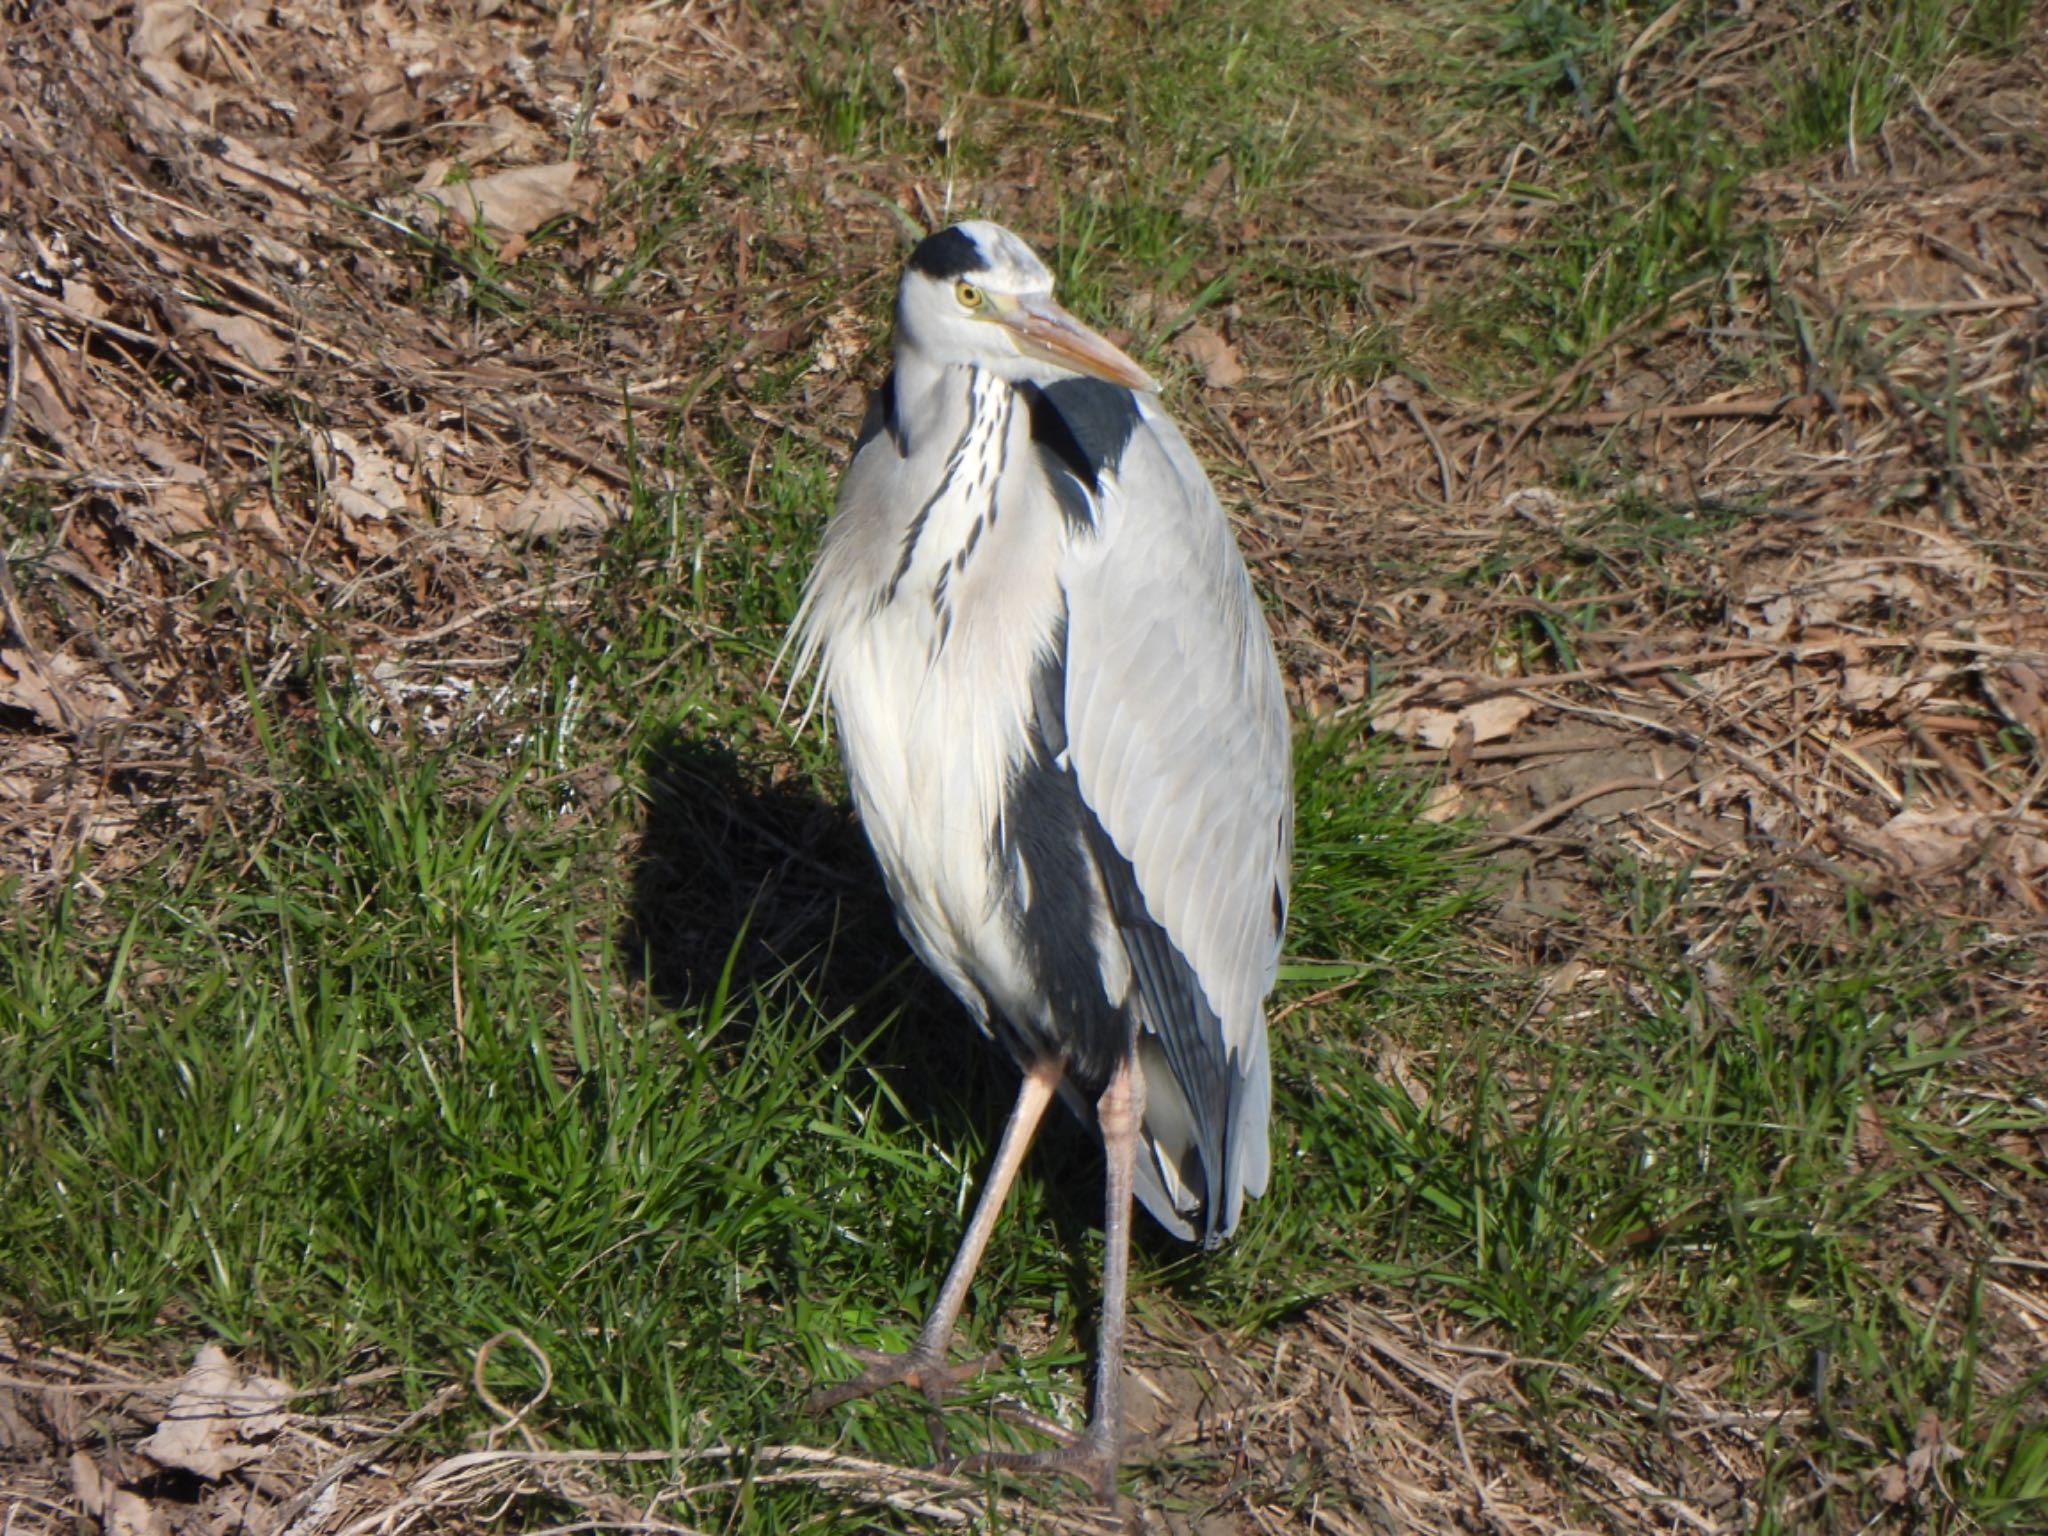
(585, 1016)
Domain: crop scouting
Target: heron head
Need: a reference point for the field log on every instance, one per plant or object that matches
(974, 295)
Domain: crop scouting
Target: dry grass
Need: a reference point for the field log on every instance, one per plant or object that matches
(275, 414)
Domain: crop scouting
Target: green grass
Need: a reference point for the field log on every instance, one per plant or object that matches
(583, 1016)
(1646, 202)
(380, 1084)
(383, 1082)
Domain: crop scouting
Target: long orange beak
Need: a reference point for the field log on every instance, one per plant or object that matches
(1047, 332)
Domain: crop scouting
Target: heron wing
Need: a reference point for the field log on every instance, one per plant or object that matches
(1177, 736)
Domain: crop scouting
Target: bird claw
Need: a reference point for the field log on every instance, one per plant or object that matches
(922, 1370)
(1091, 1456)
(918, 1369)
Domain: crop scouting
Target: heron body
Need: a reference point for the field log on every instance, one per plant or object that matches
(1065, 735)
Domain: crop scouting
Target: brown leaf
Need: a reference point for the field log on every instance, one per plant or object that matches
(172, 512)
(385, 99)
(46, 399)
(543, 511)
(1934, 842)
(2020, 690)
(1921, 841)
(118, 1511)
(248, 340)
(219, 1419)
(24, 685)
(237, 162)
(1213, 191)
(161, 27)
(1892, 1486)
(1853, 591)
(365, 484)
(1930, 1447)
(513, 204)
(1446, 802)
(1487, 720)
(19, 1435)
(1221, 366)
(1866, 690)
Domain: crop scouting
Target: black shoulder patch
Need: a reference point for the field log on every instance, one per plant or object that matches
(1075, 504)
(949, 253)
(1085, 424)
(881, 417)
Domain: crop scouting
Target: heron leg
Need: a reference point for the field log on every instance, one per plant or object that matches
(924, 1366)
(1093, 1455)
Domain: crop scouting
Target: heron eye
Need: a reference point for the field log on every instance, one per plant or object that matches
(968, 295)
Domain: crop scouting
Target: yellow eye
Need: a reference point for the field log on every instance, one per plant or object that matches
(968, 295)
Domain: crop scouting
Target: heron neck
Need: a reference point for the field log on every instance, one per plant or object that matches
(924, 387)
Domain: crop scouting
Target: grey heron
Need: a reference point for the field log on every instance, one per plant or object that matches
(1066, 739)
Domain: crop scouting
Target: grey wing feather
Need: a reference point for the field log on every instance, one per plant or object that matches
(1178, 739)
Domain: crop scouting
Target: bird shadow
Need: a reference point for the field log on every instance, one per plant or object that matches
(744, 878)
(741, 879)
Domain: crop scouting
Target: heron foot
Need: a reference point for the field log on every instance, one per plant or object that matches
(1093, 1456)
(922, 1370)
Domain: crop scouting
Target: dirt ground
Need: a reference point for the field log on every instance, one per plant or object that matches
(221, 378)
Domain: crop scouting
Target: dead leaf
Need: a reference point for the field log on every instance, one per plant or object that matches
(513, 204)
(1868, 691)
(1218, 359)
(118, 1511)
(162, 28)
(1930, 1447)
(46, 400)
(1934, 842)
(1825, 604)
(219, 1418)
(172, 512)
(235, 161)
(386, 100)
(25, 685)
(1446, 802)
(2020, 690)
(248, 339)
(366, 486)
(1896, 1482)
(87, 298)
(548, 511)
(1864, 591)
(19, 1436)
(255, 514)
(1892, 1485)
(1916, 842)
(1215, 188)
(1487, 720)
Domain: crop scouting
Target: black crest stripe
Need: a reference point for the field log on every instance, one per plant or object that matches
(948, 254)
